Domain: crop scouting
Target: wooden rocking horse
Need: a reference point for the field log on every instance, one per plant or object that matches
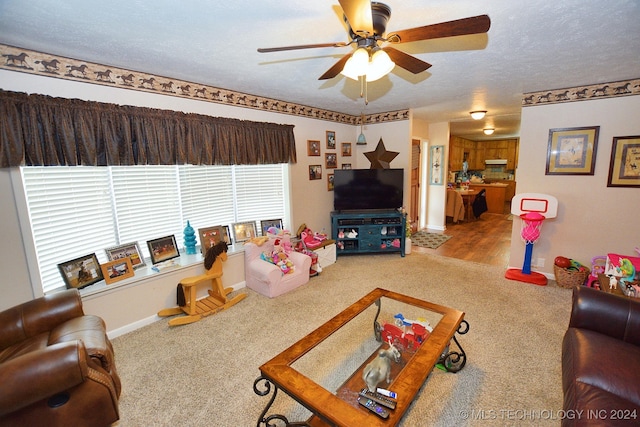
(217, 299)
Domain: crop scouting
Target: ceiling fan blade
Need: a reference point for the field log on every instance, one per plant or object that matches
(359, 16)
(335, 69)
(406, 61)
(460, 27)
(301, 46)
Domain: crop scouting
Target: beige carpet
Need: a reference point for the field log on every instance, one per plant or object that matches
(202, 374)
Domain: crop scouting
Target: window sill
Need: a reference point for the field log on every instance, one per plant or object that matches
(149, 271)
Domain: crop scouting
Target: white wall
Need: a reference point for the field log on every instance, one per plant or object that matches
(593, 219)
(129, 305)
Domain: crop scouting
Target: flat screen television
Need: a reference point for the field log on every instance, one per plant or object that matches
(367, 189)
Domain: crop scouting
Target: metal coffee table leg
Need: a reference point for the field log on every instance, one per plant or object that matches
(453, 361)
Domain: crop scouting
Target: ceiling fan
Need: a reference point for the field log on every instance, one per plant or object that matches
(367, 23)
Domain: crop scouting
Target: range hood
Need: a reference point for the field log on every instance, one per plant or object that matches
(496, 162)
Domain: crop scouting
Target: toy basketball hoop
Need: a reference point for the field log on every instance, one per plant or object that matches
(531, 225)
(533, 209)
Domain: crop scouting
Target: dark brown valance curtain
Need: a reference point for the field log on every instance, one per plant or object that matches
(39, 130)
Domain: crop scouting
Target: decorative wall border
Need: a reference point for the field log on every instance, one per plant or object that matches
(582, 93)
(33, 62)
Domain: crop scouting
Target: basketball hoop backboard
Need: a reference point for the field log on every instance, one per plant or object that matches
(544, 204)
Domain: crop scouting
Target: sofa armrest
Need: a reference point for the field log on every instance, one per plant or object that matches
(606, 313)
(40, 374)
(38, 315)
(298, 259)
(264, 271)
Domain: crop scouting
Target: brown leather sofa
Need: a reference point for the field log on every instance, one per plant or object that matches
(601, 360)
(56, 365)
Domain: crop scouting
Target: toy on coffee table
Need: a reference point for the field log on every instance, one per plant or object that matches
(410, 334)
(379, 369)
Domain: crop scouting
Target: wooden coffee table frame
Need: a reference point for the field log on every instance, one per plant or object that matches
(329, 409)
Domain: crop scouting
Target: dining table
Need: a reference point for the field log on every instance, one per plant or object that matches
(468, 196)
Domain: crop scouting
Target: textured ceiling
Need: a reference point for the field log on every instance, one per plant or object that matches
(531, 46)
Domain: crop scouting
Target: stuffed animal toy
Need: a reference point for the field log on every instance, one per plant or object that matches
(279, 257)
(259, 241)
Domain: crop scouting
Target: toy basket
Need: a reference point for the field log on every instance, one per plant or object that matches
(570, 278)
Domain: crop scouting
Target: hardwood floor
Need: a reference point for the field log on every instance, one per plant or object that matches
(486, 240)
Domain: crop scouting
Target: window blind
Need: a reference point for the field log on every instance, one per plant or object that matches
(71, 216)
(76, 211)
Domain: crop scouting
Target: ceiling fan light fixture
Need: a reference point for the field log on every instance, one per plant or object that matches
(357, 65)
(488, 131)
(478, 114)
(380, 65)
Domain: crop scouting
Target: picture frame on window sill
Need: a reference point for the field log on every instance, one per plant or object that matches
(267, 224)
(209, 236)
(128, 250)
(163, 249)
(116, 270)
(624, 167)
(572, 151)
(81, 272)
(243, 231)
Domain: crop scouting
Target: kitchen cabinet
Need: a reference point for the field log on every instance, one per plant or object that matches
(479, 151)
(495, 196)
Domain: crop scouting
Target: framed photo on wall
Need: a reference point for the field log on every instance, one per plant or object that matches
(315, 172)
(313, 148)
(129, 250)
(330, 181)
(572, 151)
(331, 160)
(331, 140)
(624, 168)
(163, 249)
(81, 272)
(243, 231)
(346, 149)
(436, 174)
(117, 270)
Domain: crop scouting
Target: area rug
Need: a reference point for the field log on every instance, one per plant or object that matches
(425, 239)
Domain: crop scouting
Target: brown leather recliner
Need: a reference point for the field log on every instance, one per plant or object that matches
(56, 365)
(601, 360)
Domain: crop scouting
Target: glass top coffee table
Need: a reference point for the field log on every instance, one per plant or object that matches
(323, 371)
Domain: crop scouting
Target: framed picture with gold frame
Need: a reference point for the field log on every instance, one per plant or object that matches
(116, 270)
(624, 168)
(330, 182)
(572, 151)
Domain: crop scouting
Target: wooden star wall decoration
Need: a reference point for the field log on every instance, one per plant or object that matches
(380, 158)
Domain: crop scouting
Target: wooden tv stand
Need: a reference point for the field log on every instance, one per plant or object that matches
(357, 232)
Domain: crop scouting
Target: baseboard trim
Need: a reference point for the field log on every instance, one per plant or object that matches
(152, 319)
